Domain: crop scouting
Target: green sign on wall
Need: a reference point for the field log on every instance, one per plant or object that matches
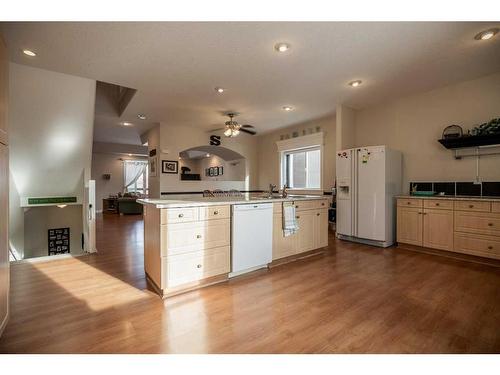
(51, 200)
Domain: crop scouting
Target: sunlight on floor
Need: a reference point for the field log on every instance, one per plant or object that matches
(101, 291)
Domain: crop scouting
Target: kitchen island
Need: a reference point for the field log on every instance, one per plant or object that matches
(187, 241)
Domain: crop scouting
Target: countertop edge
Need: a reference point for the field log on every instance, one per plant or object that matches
(179, 203)
(448, 197)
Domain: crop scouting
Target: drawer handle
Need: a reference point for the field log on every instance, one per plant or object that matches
(490, 224)
(198, 266)
(323, 204)
(296, 206)
(216, 212)
(471, 206)
(198, 236)
(490, 247)
(317, 214)
(437, 204)
(297, 217)
(408, 203)
(181, 215)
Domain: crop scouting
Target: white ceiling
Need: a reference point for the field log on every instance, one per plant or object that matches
(176, 65)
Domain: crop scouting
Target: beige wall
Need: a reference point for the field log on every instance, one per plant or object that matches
(51, 117)
(103, 163)
(414, 124)
(38, 220)
(269, 168)
(174, 139)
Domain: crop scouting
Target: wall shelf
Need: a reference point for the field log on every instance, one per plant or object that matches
(471, 141)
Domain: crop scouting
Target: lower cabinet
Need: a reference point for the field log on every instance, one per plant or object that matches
(463, 226)
(312, 233)
(427, 227)
(410, 226)
(438, 229)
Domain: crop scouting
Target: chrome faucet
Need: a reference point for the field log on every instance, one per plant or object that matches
(284, 193)
(271, 189)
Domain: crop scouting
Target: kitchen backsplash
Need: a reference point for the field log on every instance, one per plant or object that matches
(485, 189)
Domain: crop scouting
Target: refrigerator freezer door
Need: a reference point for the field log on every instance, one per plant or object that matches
(344, 192)
(370, 189)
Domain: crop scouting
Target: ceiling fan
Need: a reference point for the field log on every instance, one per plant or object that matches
(232, 128)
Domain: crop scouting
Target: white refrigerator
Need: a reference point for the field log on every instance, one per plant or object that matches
(368, 179)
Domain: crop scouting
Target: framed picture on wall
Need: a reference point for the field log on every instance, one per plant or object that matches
(153, 165)
(170, 166)
(221, 170)
(211, 171)
(216, 171)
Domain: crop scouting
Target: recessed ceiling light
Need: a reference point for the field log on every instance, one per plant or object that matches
(355, 83)
(287, 108)
(141, 116)
(220, 90)
(486, 34)
(282, 47)
(129, 154)
(28, 52)
(207, 155)
(126, 123)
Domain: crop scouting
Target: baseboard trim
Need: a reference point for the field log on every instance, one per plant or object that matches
(450, 254)
(293, 258)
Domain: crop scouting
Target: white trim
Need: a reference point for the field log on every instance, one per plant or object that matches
(297, 143)
(321, 158)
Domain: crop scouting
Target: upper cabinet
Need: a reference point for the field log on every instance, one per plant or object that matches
(4, 88)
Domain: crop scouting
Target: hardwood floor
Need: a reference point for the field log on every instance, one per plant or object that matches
(354, 299)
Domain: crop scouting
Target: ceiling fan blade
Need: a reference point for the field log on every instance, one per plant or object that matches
(215, 130)
(248, 126)
(249, 131)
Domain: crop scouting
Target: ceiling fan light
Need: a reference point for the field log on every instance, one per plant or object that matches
(235, 132)
(228, 132)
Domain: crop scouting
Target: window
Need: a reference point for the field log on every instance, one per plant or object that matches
(301, 169)
(136, 176)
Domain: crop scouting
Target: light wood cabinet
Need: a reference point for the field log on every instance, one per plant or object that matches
(306, 234)
(282, 246)
(461, 225)
(4, 190)
(321, 228)
(312, 219)
(410, 226)
(186, 246)
(438, 229)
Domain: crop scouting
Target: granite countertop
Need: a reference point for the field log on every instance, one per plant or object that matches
(213, 201)
(452, 197)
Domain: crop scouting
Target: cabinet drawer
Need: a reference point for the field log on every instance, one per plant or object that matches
(187, 237)
(323, 203)
(179, 215)
(485, 246)
(477, 222)
(402, 202)
(495, 207)
(215, 212)
(305, 205)
(476, 206)
(440, 204)
(185, 268)
(278, 208)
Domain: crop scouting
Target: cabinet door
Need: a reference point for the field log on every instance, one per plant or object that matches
(321, 228)
(282, 246)
(4, 251)
(305, 238)
(438, 229)
(409, 225)
(4, 87)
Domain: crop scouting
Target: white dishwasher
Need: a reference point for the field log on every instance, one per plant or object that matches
(252, 237)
